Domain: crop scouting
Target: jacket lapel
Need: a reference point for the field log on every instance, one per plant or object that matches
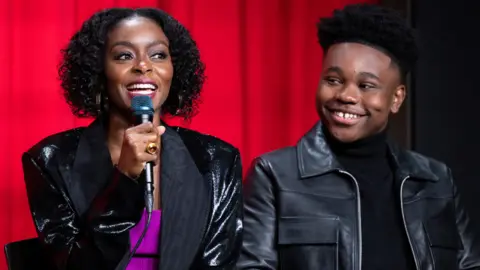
(185, 204)
(411, 164)
(314, 155)
(414, 167)
(87, 171)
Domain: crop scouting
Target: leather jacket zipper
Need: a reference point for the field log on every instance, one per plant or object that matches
(405, 223)
(359, 213)
(359, 219)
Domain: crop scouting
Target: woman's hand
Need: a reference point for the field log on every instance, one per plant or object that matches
(133, 155)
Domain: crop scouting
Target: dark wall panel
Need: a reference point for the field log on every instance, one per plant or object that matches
(446, 93)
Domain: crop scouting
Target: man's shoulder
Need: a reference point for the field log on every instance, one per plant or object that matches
(435, 167)
(280, 159)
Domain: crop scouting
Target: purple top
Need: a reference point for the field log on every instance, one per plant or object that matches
(146, 256)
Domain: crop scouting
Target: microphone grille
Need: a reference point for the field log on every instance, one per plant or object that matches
(142, 105)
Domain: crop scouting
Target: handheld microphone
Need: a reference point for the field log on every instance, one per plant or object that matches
(142, 108)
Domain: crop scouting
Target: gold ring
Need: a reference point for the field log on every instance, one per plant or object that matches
(151, 148)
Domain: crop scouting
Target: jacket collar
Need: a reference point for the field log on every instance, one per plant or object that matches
(315, 157)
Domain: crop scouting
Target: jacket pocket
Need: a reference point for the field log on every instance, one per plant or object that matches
(443, 239)
(308, 242)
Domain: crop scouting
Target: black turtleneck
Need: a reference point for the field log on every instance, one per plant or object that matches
(385, 243)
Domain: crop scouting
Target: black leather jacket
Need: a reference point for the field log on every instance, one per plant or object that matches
(83, 207)
(302, 211)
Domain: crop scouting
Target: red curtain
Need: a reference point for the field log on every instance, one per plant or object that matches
(262, 60)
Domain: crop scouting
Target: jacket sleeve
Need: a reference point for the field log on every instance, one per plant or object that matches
(259, 247)
(225, 236)
(469, 255)
(75, 243)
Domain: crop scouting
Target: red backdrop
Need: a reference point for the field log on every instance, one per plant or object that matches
(262, 62)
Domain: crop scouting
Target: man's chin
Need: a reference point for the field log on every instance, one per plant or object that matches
(344, 134)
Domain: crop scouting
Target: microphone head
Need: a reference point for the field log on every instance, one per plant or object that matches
(142, 105)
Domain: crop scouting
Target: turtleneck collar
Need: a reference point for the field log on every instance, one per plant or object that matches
(370, 147)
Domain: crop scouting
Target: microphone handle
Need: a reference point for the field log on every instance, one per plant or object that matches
(145, 118)
(149, 187)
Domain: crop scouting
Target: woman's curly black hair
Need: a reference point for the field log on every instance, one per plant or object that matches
(82, 68)
(372, 25)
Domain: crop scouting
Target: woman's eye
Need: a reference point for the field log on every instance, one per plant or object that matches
(123, 56)
(160, 55)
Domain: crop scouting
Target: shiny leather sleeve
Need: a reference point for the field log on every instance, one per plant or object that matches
(469, 256)
(71, 243)
(224, 237)
(258, 250)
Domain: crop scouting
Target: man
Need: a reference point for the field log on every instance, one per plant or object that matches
(344, 197)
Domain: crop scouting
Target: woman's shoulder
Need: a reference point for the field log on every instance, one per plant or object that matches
(204, 143)
(49, 146)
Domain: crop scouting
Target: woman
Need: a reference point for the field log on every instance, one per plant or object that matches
(85, 186)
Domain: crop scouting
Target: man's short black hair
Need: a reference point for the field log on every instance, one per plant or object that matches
(371, 25)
